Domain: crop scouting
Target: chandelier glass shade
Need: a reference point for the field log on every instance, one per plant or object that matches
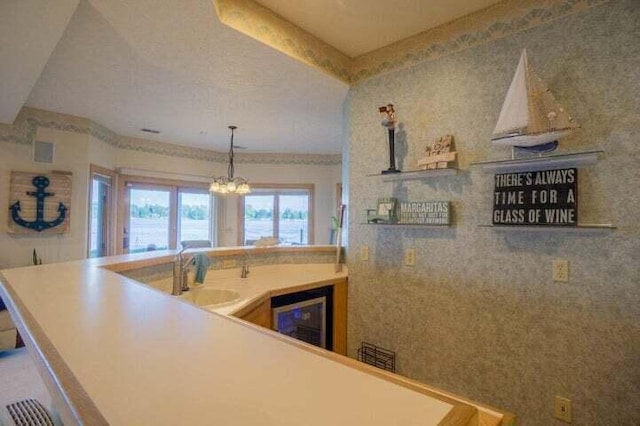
(230, 184)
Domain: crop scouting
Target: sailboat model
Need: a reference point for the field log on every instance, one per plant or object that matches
(531, 118)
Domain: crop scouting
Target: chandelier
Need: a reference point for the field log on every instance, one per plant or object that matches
(229, 184)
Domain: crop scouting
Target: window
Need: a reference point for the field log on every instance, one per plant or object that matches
(158, 213)
(195, 214)
(100, 211)
(284, 212)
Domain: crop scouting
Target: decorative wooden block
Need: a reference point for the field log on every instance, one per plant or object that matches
(438, 155)
(39, 203)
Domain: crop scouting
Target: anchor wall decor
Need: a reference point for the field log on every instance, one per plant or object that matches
(39, 203)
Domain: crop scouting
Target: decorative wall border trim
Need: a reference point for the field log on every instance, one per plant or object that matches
(24, 129)
(260, 23)
(484, 26)
(492, 23)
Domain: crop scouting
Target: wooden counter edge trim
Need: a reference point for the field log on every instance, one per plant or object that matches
(340, 314)
(254, 302)
(136, 264)
(127, 265)
(461, 413)
(486, 415)
(67, 391)
(251, 305)
(340, 290)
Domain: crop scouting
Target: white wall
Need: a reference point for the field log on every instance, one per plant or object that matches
(70, 156)
(102, 154)
(77, 149)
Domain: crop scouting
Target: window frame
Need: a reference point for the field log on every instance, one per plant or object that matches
(280, 189)
(174, 187)
(108, 229)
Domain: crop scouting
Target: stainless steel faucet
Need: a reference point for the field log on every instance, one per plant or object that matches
(180, 281)
(245, 268)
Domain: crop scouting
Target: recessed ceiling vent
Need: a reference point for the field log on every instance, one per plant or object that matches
(43, 152)
(146, 130)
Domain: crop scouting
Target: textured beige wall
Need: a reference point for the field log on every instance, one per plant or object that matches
(479, 314)
(70, 156)
(101, 154)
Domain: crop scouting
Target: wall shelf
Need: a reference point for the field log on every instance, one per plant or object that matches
(405, 225)
(558, 161)
(417, 174)
(581, 228)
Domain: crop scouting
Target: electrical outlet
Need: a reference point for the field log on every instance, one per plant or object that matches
(228, 264)
(562, 409)
(364, 252)
(561, 270)
(410, 257)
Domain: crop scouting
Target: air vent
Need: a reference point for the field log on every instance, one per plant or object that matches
(29, 412)
(43, 152)
(146, 130)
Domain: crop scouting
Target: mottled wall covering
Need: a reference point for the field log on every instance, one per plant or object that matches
(479, 314)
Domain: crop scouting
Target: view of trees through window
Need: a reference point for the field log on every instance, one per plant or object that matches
(150, 212)
(283, 215)
(199, 212)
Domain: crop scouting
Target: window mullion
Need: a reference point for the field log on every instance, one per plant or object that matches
(173, 217)
(276, 216)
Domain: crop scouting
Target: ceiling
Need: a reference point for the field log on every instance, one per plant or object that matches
(174, 67)
(356, 27)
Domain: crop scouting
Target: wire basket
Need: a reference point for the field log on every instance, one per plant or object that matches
(377, 356)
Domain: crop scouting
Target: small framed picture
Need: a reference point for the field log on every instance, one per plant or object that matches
(387, 210)
(372, 215)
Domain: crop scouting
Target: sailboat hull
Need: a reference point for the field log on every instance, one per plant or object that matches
(531, 140)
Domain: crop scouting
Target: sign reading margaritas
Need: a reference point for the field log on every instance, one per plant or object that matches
(425, 213)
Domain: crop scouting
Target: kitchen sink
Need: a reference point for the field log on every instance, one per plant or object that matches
(210, 297)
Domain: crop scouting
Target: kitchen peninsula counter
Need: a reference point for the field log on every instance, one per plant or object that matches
(112, 351)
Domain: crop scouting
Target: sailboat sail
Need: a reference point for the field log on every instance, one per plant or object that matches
(530, 114)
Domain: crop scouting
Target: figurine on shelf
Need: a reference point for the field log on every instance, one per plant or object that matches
(439, 154)
(389, 122)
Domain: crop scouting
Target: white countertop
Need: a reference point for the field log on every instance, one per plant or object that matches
(143, 357)
(262, 282)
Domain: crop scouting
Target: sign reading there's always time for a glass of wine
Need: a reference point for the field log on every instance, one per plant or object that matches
(544, 197)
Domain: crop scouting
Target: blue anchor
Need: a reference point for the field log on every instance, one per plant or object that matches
(40, 182)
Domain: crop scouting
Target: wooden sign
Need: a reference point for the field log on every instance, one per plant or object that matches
(425, 213)
(39, 203)
(438, 155)
(546, 197)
